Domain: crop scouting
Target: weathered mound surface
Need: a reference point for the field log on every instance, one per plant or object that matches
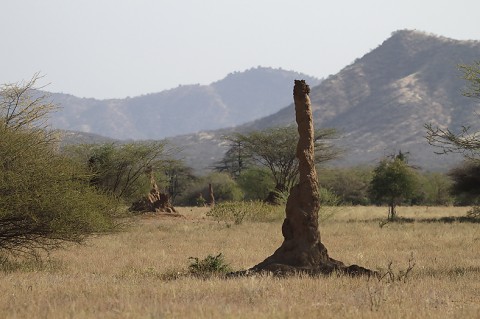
(153, 202)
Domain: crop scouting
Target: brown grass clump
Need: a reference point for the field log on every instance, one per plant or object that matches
(143, 273)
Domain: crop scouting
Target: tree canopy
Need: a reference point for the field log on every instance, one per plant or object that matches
(45, 198)
(393, 182)
(275, 149)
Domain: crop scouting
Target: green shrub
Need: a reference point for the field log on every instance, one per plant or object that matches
(209, 266)
(328, 204)
(259, 211)
(224, 189)
(256, 183)
(45, 198)
(238, 212)
(349, 184)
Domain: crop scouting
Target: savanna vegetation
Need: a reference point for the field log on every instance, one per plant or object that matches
(161, 266)
(147, 271)
(45, 197)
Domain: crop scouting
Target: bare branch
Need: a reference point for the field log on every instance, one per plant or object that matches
(23, 105)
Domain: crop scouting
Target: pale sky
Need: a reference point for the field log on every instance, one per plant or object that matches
(119, 48)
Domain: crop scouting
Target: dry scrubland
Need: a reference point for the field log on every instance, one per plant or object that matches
(130, 275)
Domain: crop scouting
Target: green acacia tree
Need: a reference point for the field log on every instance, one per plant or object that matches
(177, 178)
(236, 160)
(393, 182)
(275, 150)
(45, 198)
(121, 169)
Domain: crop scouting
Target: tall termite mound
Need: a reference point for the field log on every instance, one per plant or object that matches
(302, 250)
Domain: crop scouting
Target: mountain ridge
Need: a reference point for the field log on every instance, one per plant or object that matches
(382, 100)
(379, 103)
(185, 109)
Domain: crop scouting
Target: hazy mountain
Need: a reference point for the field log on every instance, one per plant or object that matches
(238, 98)
(75, 137)
(380, 102)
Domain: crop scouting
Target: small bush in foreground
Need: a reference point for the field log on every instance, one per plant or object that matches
(210, 265)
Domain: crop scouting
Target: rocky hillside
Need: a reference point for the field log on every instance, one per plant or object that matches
(238, 98)
(379, 103)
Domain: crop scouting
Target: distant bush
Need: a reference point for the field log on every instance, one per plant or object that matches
(259, 211)
(350, 185)
(224, 189)
(256, 183)
(434, 189)
(238, 212)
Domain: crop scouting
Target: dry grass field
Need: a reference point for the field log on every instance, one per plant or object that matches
(133, 274)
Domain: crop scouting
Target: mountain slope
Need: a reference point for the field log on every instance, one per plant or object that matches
(239, 98)
(381, 102)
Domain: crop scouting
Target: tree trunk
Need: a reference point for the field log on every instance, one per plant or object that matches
(302, 249)
(392, 210)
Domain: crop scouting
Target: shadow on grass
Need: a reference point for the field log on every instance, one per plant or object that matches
(445, 220)
(450, 272)
(406, 220)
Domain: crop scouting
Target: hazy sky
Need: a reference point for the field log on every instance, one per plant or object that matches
(119, 48)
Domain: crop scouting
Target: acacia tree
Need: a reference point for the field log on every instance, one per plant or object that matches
(177, 177)
(393, 182)
(45, 198)
(122, 169)
(274, 149)
(235, 161)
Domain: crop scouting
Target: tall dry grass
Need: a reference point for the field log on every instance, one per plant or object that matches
(131, 274)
